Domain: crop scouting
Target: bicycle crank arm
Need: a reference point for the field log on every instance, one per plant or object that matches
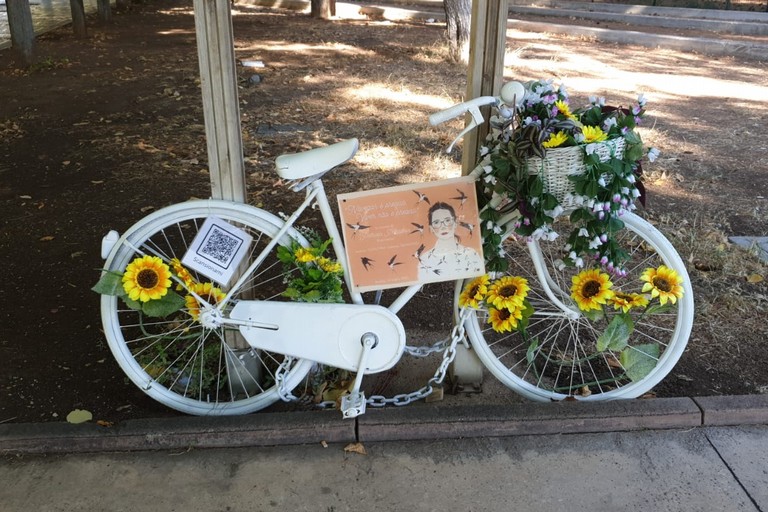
(330, 334)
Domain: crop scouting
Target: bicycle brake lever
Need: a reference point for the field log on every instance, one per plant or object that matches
(477, 119)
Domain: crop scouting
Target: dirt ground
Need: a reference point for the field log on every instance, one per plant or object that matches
(106, 129)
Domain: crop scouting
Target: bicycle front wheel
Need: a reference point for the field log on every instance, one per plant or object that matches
(614, 352)
(176, 359)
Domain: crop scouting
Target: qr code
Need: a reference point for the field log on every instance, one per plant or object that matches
(220, 246)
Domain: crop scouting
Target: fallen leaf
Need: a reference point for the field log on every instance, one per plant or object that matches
(25, 197)
(754, 278)
(324, 444)
(97, 182)
(103, 423)
(47, 238)
(79, 416)
(355, 448)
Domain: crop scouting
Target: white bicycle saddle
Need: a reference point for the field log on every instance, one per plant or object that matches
(297, 166)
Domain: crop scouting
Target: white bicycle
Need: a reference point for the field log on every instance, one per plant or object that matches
(243, 352)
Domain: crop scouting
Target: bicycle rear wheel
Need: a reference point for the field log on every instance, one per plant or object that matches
(176, 360)
(586, 356)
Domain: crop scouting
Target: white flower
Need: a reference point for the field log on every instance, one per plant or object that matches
(559, 264)
(484, 150)
(555, 212)
(572, 255)
(641, 100)
(497, 230)
(611, 121)
(589, 148)
(552, 235)
(578, 262)
(490, 179)
(601, 181)
(489, 225)
(653, 154)
(595, 243)
(487, 169)
(583, 232)
(505, 112)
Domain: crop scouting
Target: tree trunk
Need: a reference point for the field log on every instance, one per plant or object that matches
(78, 18)
(105, 10)
(458, 15)
(22, 31)
(323, 9)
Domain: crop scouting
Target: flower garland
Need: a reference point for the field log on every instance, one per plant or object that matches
(525, 130)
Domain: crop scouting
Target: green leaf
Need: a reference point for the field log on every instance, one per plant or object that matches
(639, 360)
(616, 335)
(169, 303)
(594, 314)
(110, 283)
(659, 308)
(133, 304)
(530, 354)
(615, 223)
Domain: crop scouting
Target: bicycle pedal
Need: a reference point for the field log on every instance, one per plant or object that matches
(353, 405)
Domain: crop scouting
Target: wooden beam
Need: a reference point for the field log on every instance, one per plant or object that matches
(486, 66)
(218, 78)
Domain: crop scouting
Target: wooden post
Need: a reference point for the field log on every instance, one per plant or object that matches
(485, 72)
(216, 54)
(221, 111)
(22, 31)
(486, 65)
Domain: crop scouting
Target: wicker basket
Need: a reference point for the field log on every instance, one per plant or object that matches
(560, 163)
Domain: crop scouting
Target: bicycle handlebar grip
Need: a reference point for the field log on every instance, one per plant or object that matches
(457, 110)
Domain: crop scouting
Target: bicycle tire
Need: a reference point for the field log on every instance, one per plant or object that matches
(565, 360)
(177, 361)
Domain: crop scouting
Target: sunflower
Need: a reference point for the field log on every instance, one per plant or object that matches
(664, 283)
(591, 289)
(207, 292)
(555, 140)
(182, 273)
(508, 292)
(146, 278)
(474, 293)
(565, 110)
(627, 301)
(593, 134)
(504, 320)
(330, 266)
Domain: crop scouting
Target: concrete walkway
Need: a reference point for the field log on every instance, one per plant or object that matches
(630, 455)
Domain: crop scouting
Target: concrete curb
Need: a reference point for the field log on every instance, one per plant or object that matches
(418, 422)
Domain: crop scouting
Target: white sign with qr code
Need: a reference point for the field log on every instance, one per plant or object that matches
(217, 250)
